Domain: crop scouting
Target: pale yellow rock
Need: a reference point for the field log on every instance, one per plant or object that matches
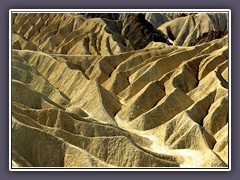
(165, 109)
(82, 97)
(188, 28)
(221, 147)
(225, 74)
(143, 101)
(217, 116)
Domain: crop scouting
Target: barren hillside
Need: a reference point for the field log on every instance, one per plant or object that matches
(119, 90)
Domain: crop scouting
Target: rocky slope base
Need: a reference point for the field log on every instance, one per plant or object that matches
(117, 91)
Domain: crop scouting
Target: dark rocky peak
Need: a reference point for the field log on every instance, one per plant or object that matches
(111, 16)
(140, 32)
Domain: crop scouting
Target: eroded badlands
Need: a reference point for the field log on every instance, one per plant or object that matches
(120, 90)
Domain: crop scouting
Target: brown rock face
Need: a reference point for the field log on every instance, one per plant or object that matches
(111, 16)
(140, 32)
(99, 91)
(209, 36)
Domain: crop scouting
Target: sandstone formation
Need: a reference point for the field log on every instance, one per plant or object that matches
(120, 90)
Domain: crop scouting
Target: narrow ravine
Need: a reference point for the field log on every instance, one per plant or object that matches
(189, 158)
